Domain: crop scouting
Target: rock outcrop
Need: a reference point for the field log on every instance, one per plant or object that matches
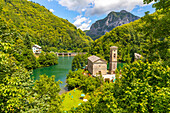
(113, 20)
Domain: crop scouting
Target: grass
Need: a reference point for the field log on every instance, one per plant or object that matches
(71, 99)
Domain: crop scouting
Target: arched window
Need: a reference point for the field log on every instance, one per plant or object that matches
(114, 56)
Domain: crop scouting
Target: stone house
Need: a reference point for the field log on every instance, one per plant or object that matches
(137, 56)
(97, 65)
(36, 49)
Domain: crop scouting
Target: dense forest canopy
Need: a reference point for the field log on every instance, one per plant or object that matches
(44, 28)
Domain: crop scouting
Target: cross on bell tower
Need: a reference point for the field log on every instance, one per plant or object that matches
(113, 59)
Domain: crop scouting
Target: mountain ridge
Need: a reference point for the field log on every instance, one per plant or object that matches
(112, 20)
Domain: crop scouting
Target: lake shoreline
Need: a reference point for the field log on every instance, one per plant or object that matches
(60, 71)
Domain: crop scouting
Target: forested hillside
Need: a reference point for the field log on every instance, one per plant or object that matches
(148, 36)
(44, 28)
(20, 48)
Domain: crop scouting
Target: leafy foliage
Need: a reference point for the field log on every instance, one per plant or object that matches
(46, 92)
(160, 4)
(47, 59)
(80, 79)
(79, 62)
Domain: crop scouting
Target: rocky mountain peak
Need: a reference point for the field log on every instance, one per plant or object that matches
(112, 20)
(123, 11)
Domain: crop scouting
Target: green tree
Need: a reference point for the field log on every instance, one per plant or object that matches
(101, 101)
(160, 4)
(157, 32)
(27, 41)
(51, 59)
(74, 79)
(47, 90)
(79, 62)
(42, 58)
(80, 79)
(139, 83)
(15, 84)
(29, 60)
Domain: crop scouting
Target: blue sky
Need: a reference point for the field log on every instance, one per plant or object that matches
(83, 13)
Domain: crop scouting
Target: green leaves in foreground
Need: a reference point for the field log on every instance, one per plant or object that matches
(47, 90)
(80, 79)
(140, 84)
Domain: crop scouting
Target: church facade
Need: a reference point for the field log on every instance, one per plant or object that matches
(97, 66)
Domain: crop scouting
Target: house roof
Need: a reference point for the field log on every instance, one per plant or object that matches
(37, 46)
(114, 47)
(137, 56)
(95, 58)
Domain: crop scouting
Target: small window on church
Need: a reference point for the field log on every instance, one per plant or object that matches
(114, 55)
(99, 65)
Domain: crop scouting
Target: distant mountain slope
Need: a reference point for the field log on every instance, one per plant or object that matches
(45, 29)
(113, 20)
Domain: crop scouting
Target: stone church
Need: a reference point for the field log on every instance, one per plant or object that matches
(97, 66)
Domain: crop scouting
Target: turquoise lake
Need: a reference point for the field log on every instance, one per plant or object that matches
(60, 70)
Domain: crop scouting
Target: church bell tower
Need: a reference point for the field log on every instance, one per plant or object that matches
(113, 59)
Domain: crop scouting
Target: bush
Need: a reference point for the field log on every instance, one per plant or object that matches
(87, 83)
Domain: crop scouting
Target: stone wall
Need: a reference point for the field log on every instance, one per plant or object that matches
(90, 66)
(99, 68)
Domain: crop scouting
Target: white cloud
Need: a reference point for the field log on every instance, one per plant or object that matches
(106, 6)
(83, 9)
(50, 0)
(98, 7)
(79, 20)
(82, 22)
(52, 10)
(75, 5)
